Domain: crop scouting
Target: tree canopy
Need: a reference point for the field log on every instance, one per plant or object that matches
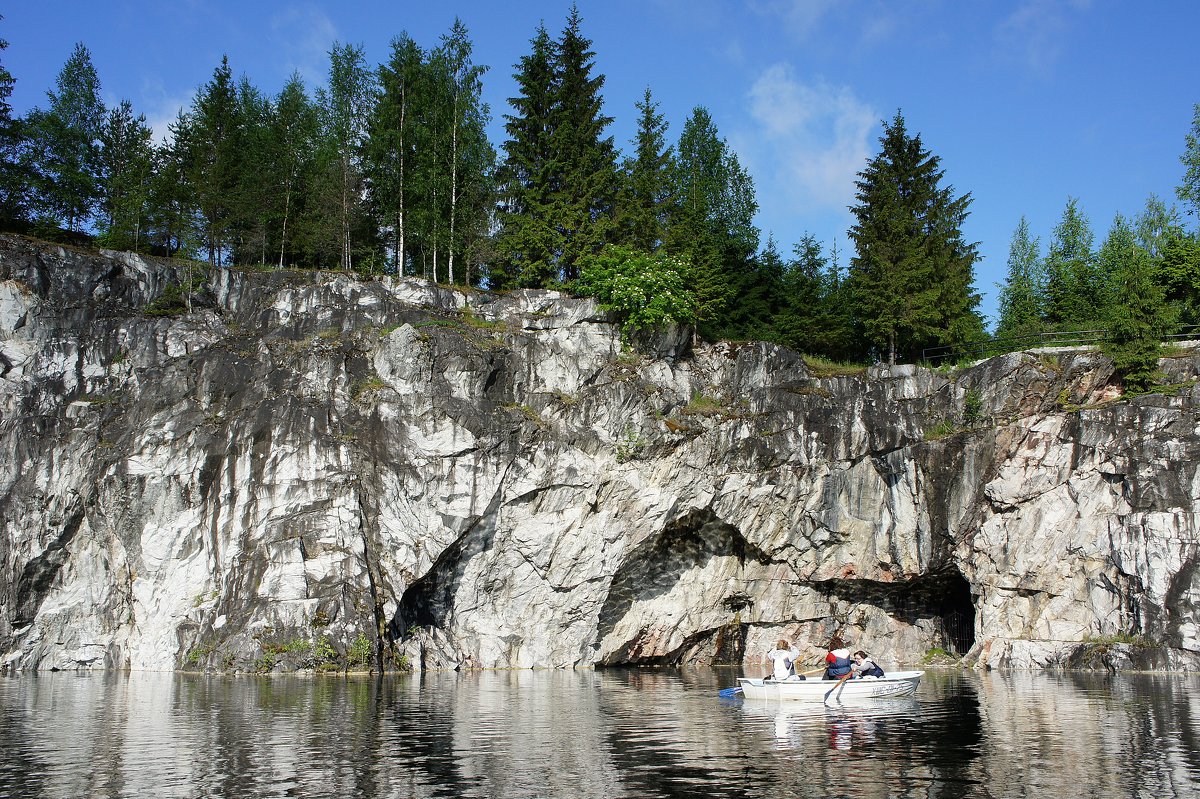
(912, 273)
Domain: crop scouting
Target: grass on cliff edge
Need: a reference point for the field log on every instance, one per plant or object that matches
(823, 367)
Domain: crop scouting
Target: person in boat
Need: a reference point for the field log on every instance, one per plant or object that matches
(863, 666)
(783, 660)
(838, 664)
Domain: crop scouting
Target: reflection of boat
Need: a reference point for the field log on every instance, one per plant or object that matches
(900, 683)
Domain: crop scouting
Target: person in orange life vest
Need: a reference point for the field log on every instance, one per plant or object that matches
(837, 664)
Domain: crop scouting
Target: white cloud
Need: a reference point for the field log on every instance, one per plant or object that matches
(809, 140)
(161, 108)
(304, 35)
(1034, 33)
(801, 17)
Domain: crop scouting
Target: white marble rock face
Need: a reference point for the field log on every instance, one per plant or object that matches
(471, 480)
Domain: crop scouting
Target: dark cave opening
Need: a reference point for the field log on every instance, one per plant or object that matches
(943, 598)
(957, 611)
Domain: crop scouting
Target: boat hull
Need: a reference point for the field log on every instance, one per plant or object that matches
(900, 683)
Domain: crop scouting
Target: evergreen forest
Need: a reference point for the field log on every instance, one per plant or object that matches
(387, 169)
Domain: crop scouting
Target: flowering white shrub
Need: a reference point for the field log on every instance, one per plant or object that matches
(642, 290)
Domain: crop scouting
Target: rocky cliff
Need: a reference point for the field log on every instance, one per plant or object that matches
(228, 469)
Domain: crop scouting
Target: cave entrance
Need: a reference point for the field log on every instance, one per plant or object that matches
(957, 612)
(942, 601)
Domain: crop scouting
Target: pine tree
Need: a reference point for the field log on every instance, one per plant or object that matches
(528, 241)
(912, 273)
(66, 143)
(254, 194)
(1074, 290)
(711, 223)
(14, 180)
(1189, 190)
(1139, 317)
(126, 170)
(215, 142)
(1021, 304)
(645, 195)
(584, 178)
(172, 213)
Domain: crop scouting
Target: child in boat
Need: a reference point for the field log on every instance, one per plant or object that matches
(863, 666)
(783, 657)
(837, 664)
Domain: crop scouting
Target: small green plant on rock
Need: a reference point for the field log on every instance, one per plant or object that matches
(702, 405)
(973, 408)
(630, 446)
(526, 411)
(360, 650)
(367, 386)
(938, 656)
(479, 323)
(823, 367)
(941, 430)
(1105, 642)
(324, 654)
(199, 653)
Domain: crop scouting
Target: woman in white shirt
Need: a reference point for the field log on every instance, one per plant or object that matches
(783, 657)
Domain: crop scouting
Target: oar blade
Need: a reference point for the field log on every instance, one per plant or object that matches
(729, 693)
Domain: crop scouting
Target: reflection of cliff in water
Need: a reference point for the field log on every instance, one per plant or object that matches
(627, 733)
(1092, 735)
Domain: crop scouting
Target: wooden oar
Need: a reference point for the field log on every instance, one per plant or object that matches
(835, 687)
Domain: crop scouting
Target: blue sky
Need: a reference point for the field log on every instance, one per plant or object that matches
(1027, 102)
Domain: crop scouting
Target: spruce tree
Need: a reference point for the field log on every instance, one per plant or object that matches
(14, 181)
(255, 189)
(126, 170)
(215, 150)
(1189, 190)
(912, 273)
(171, 215)
(645, 193)
(711, 222)
(1138, 318)
(798, 326)
(1075, 293)
(528, 241)
(1021, 304)
(584, 177)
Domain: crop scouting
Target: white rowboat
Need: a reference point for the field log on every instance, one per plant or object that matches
(899, 683)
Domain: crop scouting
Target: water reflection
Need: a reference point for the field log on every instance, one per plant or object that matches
(606, 734)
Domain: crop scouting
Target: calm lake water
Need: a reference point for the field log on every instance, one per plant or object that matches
(592, 734)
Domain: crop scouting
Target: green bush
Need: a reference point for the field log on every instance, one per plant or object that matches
(642, 290)
(360, 650)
